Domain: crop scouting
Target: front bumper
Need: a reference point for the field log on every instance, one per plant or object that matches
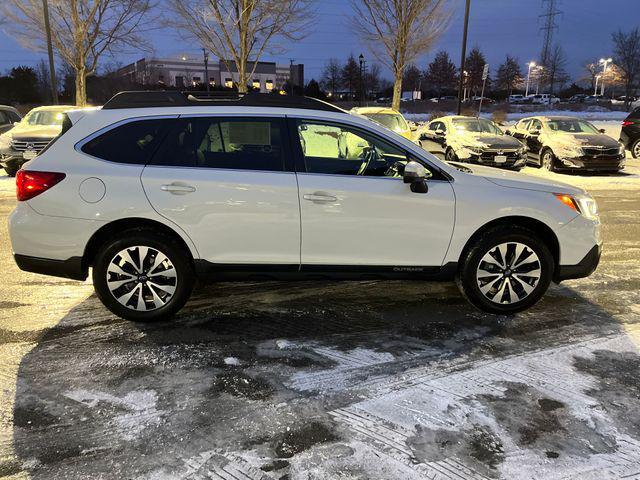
(11, 158)
(592, 163)
(582, 269)
(512, 162)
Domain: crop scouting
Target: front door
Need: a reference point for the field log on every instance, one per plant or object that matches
(227, 182)
(357, 211)
(533, 138)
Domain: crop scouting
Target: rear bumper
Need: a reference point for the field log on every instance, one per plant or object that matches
(69, 268)
(582, 269)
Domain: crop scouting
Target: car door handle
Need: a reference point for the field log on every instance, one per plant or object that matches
(319, 197)
(177, 189)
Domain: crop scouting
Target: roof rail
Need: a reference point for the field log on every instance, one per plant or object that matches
(174, 98)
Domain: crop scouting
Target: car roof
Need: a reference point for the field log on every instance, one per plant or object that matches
(546, 118)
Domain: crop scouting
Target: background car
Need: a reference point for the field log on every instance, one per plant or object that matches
(26, 139)
(387, 117)
(8, 117)
(630, 133)
(544, 99)
(472, 140)
(568, 143)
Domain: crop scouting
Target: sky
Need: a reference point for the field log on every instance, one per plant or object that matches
(497, 27)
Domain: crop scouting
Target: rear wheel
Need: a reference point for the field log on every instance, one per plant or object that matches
(506, 271)
(635, 149)
(143, 276)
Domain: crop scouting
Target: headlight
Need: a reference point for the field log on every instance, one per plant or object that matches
(475, 149)
(570, 151)
(584, 204)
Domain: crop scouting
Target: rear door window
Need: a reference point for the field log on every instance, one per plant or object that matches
(229, 143)
(132, 143)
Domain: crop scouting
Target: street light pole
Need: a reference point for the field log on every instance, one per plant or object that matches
(206, 67)
(52, 70)
(595, 89)
(464, 53)
(604, 62)
(531, 64)
(361, 58)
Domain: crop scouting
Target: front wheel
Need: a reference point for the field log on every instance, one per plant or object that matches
(143, 276)
(450, 155)
(635, 149)
(506, 271)
(548, 160)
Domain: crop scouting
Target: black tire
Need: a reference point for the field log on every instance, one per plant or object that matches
(11, 170)
(177, 257)
(548, 160)
(468, 275)
(635, 149)
(450, 155)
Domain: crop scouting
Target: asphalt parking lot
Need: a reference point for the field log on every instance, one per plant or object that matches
(357, 380)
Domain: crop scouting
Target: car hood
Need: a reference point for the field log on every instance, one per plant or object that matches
(586, 139)
(486, 140)
(35, 131)
(509, 179)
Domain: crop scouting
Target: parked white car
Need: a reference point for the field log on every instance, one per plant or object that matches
(544, 99)
(157, 189)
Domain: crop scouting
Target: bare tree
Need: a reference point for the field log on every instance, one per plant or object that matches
(240, 31)
(554, 72)
(81, 31)
(331, 75)
(400, 30)
(626, 49)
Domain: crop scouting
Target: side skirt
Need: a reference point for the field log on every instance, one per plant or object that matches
(208, 272)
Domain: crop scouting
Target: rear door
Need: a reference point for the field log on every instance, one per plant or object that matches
(434, 142)
(229, 184)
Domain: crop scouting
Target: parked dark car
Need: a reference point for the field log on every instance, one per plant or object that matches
(630, 133)
(472, 140)
(8, 117)
(568, 143)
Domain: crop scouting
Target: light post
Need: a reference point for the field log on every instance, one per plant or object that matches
(604, 62)
(595, 89)
(531, 65)
(361, 58)
(206, 67)
(539, 69)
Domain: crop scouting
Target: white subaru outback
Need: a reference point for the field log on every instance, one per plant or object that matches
(158, 189)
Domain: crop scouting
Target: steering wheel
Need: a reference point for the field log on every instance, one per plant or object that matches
(369, 155)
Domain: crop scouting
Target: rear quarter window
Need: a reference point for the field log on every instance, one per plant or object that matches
(131, 143)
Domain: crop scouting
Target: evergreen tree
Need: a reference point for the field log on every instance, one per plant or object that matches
(350, 75)
(441, 73)
(474, 65)
(509, 75)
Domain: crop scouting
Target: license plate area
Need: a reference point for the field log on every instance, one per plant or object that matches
(500, 158)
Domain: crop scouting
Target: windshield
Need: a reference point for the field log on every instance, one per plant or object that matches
(392, 121)
(44, 117)
(571, 126)
(477, 125)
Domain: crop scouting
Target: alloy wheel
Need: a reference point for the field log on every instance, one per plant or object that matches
(636, 149)
(547, 160)
(508, 273)
(141, 278)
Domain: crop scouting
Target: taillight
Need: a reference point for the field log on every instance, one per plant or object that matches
(626, 123)
(30, 183)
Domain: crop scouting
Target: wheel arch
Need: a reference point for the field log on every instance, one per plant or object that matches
(546, 234)
(111, 229)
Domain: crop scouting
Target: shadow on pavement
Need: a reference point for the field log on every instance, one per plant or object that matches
(247, 376)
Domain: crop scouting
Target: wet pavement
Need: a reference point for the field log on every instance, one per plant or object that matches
(356, 380)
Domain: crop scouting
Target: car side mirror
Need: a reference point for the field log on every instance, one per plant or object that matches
(15, 123)
(439, 132)
(602, 130)
(416, 175)
(534, 132)
(413, 128)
